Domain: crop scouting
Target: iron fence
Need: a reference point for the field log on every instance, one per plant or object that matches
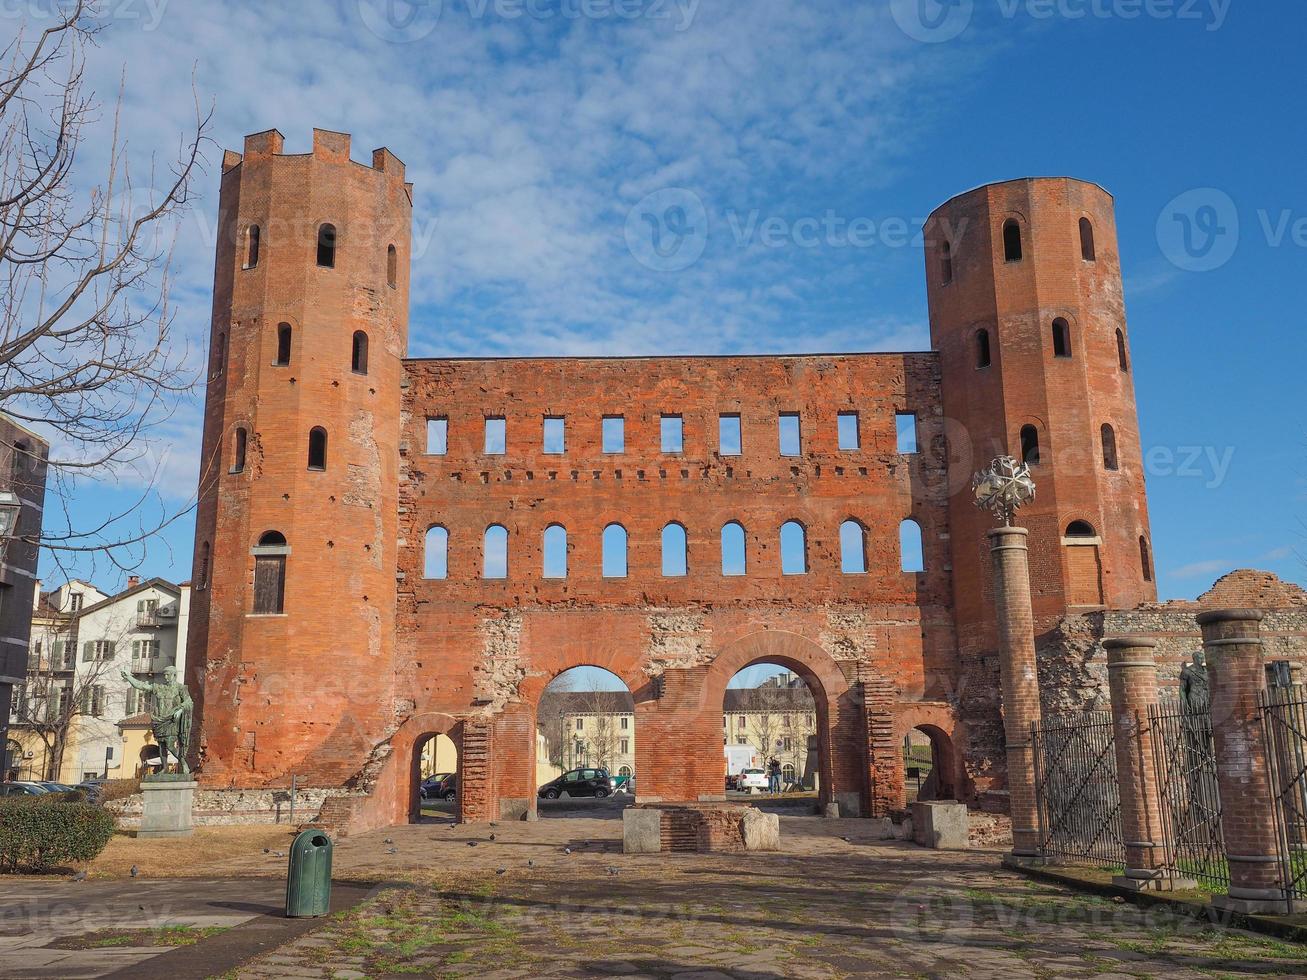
(1076, 790)
(1188, 794)
(1284, 723)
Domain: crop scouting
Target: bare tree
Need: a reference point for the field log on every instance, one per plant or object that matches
(602, 734)
(87, 351)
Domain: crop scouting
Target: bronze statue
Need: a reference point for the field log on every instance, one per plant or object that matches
(1195, 691)
(170, 717)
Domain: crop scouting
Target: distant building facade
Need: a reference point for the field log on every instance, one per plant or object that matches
(23, 456)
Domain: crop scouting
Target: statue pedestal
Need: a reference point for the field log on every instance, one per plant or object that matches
(168, 799)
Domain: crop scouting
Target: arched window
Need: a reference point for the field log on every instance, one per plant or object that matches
(435, 555)
(675, 562)
(945, 263)
(392, 266)
(494, 558)
(283, 345)
(1145, 559)
(1121, 358)
(794, 549)
(219, 354)
(555, 551)
(733, 557)
(327, 246)
(911, 556)
(982, 348)
(1080, 529)
(251, 246)
(270, 573)
(317, 448)
(614, 551)
(358, 359)
(202, 568)
(853, 548)
(239, 439)
(1061, 338)
(1109, 447)
(1030, 445)
(1012, 241)
(1087, 240)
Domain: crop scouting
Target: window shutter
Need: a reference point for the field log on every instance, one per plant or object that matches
(110, 649)
(87, 647)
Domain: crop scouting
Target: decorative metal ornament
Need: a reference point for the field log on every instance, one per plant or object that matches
(1003, 487)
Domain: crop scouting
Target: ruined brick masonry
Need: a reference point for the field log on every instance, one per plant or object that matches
(322, 649)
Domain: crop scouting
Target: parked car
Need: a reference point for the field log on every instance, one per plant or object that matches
(441, 786)
(54, 787)
(577, 782)
(93, 788)
(751, 780)
(22, 788)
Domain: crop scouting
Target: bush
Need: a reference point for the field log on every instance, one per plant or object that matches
(37, 836)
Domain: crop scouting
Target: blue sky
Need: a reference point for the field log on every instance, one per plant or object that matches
(538, 134)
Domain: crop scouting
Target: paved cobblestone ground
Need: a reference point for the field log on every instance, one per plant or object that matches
(518, 905)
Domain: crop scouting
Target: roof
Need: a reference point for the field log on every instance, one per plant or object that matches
(592, 702)
(745, 699)
(157, 583)
(135, 721)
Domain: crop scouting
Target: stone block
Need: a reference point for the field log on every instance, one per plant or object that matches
(166, 808)
(641, 831)
(761, 831)
(941, 824)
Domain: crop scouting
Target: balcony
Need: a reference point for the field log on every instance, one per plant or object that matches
(156, 616)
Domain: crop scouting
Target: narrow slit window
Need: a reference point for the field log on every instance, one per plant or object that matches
(794, 549)
(1087, 240)
(219, 354)
(675, 559)
(1145, 559)
(327, 246)
(496, 443)
(982, 349)
(729, 442)
(911, 556)
(238, 449)
(846, 426)
(614, 434)
(251, 246)
(555, 435)
(672, 433)
(905, 430)
(283, 344)
(733, 556)
(358, 358)
(790, 437)
(437, 436)
(202, 568)
(435, 559)
(494, 558)
(1061, 338)
(1030, 445)
(1012, 241)
(392, 266)
(614, 551)
(1122, 360)
(317, 448)
(853, 548)
(555, 551)
(945, 264)
(1109, 447)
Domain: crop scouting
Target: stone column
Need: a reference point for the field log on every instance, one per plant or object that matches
(1020, 680)
(1236, 673)
(1132, 680)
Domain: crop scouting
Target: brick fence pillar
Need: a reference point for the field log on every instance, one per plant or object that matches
(1132, 680)
(1020, 680)
(1236, 672)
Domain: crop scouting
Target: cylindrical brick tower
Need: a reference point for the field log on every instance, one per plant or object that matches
(293, 614)
(1026, 311)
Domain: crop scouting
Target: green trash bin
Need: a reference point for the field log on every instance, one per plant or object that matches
(308, 878)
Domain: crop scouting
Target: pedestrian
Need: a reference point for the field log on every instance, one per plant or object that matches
(773, 775)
